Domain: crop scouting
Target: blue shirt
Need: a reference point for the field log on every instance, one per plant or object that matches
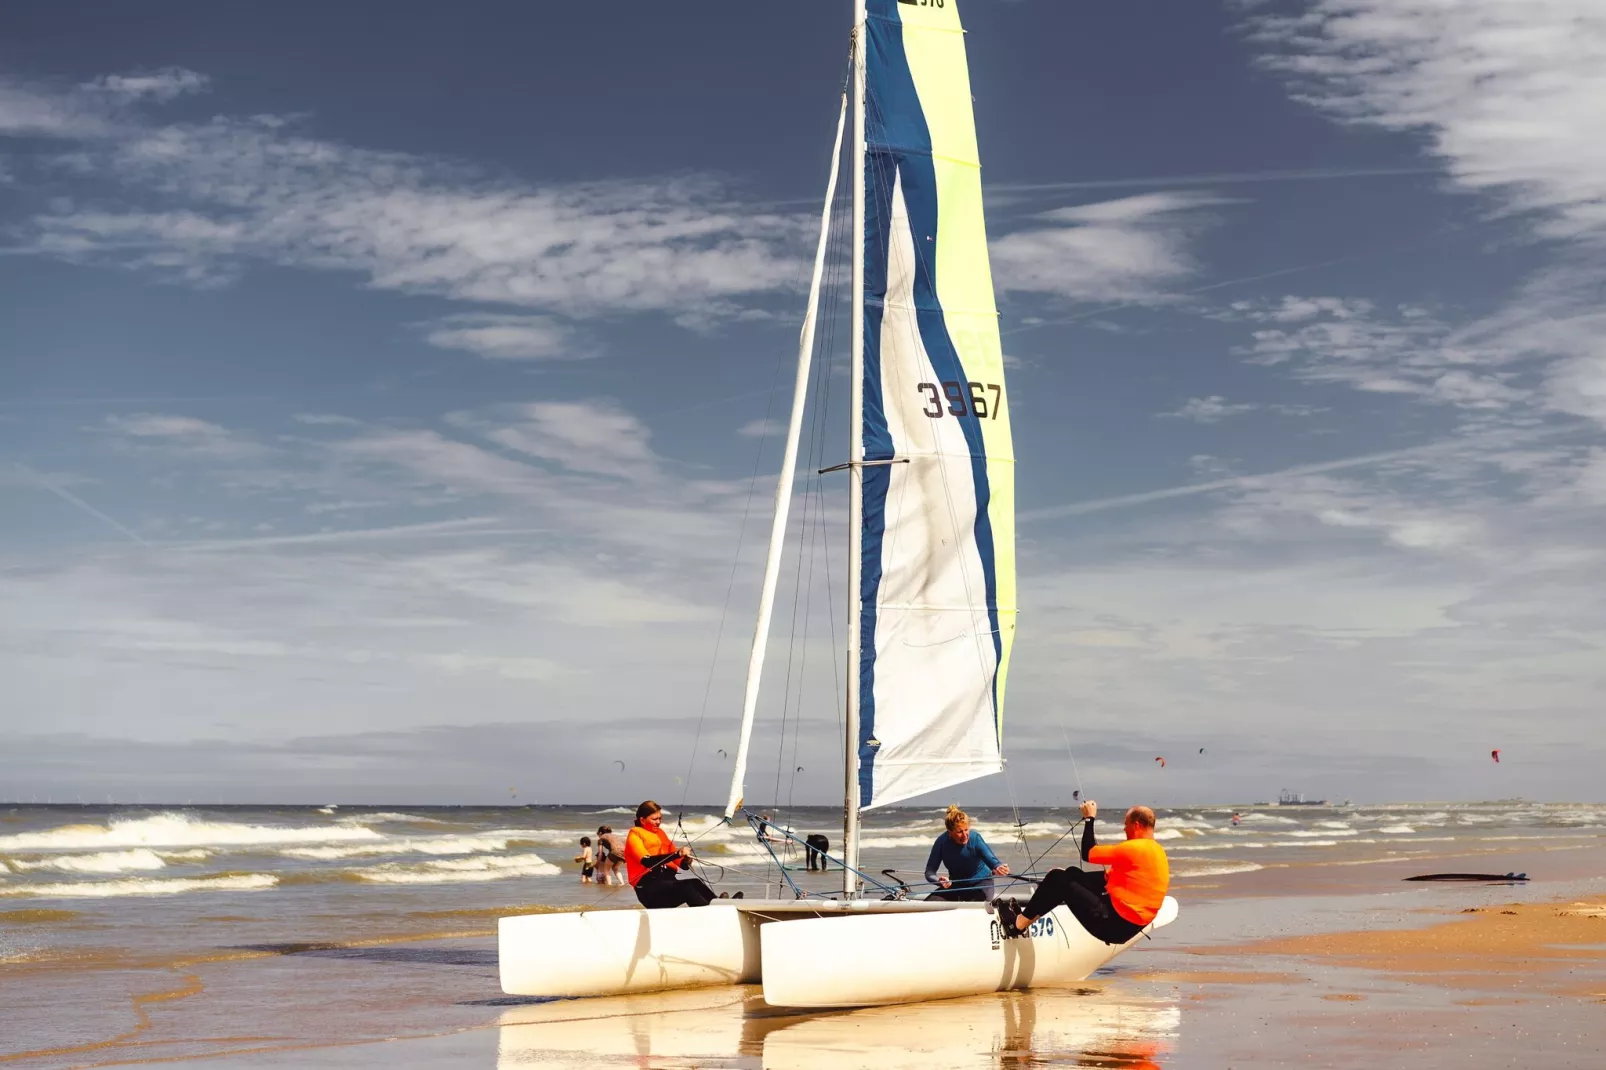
(970, 865)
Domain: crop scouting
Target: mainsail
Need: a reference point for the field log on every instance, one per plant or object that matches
(937, 529)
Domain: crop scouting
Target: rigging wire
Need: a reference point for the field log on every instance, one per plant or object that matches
(758, 456)
(811, 519)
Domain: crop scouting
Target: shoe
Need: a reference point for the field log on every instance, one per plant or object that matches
(724, 895)
(1008, 910)
(738, 895)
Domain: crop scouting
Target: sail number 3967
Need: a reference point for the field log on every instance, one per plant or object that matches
(953, 398)
(922, 3)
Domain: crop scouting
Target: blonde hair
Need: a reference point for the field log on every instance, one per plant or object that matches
(1141, 816)
(955, 817)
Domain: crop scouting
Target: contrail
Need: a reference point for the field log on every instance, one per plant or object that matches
(41, 481)
(1099, 505)
(1319, 174)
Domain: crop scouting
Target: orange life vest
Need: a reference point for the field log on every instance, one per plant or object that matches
(642, 844)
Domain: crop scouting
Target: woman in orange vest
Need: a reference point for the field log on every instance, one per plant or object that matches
(1113, 906)
(652, 861)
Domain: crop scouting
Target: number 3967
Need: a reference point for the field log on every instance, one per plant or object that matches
(954, 398)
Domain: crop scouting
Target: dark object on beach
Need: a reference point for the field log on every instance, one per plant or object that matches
(1503, 877)
(818, 847)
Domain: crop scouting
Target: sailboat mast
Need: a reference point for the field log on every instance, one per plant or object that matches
(783, 486)
(850, 758)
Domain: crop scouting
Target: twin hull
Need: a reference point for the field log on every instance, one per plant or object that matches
(821, 954)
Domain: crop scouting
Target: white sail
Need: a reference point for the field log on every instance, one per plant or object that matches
(936, 540)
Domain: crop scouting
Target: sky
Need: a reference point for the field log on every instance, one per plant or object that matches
(388, 406)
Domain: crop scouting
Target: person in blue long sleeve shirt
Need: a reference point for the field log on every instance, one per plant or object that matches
(970, 863)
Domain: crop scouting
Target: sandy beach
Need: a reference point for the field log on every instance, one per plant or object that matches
(1327, 959)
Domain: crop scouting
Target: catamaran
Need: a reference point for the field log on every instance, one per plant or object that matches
(931, 516)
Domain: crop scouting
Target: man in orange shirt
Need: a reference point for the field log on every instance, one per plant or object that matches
(1114, 905)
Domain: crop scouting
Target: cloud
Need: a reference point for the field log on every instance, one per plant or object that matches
(765, 427)
(1130, 249)
(596, 437)
(160, 85)
(182, 433)
(324, 419)
(94, 110)
(241, 191)
(1510, 97)
(1209, 410)
(507, 337)
(1406, 350)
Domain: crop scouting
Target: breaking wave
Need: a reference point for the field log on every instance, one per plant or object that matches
(1397, 830)
(179, 830)
(455, 870)
(1219, 869)
(130, 861)
(241, 882)
(440, 845)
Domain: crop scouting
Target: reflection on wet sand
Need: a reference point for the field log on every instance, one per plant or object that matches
(733, 1026)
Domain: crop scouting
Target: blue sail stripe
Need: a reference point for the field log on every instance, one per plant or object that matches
(899, 146)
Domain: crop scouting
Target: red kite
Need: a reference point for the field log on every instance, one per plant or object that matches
(1495, 754)
(1161, 761)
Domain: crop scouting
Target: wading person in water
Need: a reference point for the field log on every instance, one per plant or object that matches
(1113, 906)
(971, 864)
(652, 861)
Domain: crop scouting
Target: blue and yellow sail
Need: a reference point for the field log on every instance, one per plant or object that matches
(937, 538)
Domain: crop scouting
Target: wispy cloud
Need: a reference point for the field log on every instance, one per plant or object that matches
(508, 337)
(1209, 410)
(261, 190)
(158, 85)
(1509, 97)
(1406, 350)
(182, 432)
(595, 437)
(1128, 250)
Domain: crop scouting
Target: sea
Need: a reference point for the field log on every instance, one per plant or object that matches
(115, 918)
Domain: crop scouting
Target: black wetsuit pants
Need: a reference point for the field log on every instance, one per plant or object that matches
(656, 892)
(1084, 893)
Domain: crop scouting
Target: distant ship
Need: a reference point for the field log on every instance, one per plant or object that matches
(1289, 798)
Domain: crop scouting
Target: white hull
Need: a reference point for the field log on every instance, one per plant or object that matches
(619, 951)
(822, 953)
(877, 961)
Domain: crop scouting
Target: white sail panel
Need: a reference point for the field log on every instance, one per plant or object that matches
(937, 589)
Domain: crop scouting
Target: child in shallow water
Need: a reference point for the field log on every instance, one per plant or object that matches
(586, 859)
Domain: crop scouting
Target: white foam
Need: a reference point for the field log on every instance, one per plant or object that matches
(1397, 830)
(248, 882)
(178, 830)
(1220, 869)
(1266, 819)
(437, 845)
(451, 871)
(1167, 834)
(386, 815)
(1323, 834)
(612, 810)
(136, 860)
(1332, 824)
